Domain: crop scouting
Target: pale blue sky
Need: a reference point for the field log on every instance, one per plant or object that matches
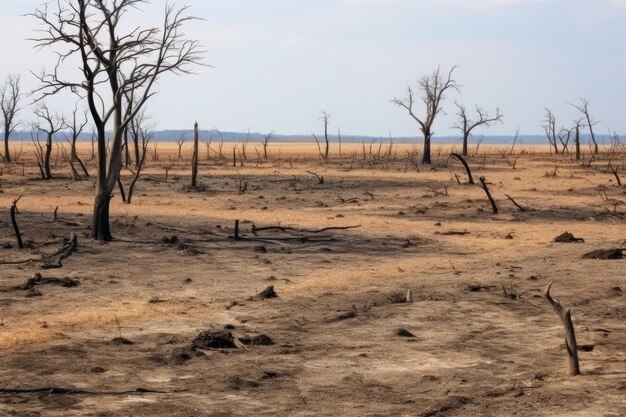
(278, 63)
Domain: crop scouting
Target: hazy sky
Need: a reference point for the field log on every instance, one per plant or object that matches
(278, 63)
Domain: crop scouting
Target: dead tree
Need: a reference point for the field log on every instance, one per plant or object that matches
(583, 107)
(145, 136)
(207, 143)
(577, 138)
(137, 129)
(180, 142)
(564, 137)
(10, 96)
(550, 128)
(76, 127)
(50, 124)
(433, 88)
(470, 179)
(466, 125)
(324, 119)
(116, 58)
(570, 336)
(194, 158)
(266, 141)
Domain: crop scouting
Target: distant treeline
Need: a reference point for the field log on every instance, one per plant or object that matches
(217, 136)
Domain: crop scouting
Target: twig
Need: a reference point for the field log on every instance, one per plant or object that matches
(521, 208)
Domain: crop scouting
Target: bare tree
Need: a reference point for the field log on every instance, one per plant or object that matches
(116, 59)
(550, 128)
(266, 141)
(48, 123)
(433, 88)
(564, 137)
(180, 142)
(583, 107)
(466, 125)
(76, 127)
(10, 96)
(137, 128)
(324, 119)
(145, 136)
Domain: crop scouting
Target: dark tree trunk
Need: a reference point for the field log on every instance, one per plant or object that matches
(136, 143)
(126, 150)
(100, 224)
(426, 156)
(465, 139)
(46, 161)
(7, 155)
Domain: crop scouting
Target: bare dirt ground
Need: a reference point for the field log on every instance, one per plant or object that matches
(478, 339)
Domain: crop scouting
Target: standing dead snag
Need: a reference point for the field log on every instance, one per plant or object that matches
(570, 336)
(465, 125)
(584, 109)
(18, 235)
(50, 124)
(433, 87)
(266, 141)
(470, 179)
(10, 97)
(483, 183)
(324, 119)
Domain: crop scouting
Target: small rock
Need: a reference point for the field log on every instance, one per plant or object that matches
(402, 332)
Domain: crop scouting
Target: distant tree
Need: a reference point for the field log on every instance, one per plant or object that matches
(76, 125)
(577, 126)
(466, 125)
(116, 58)
(180, 142)
(324, 119)
(433, 88)
(137, 130)
(266, 141)
(10, 96)
(48, 123)
(583, 107)
(549, 128)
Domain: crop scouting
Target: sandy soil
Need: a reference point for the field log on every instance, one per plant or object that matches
(467, 349)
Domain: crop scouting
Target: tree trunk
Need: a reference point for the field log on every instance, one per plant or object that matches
(577, 143)
(73, 154)
(426, 156)
(100, 222)
(136, 144)
(7, 155)
(465, 139)
(46, 162)
(126, 150)
(194, 159)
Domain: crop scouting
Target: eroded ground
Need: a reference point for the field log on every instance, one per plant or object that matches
(466, 349)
